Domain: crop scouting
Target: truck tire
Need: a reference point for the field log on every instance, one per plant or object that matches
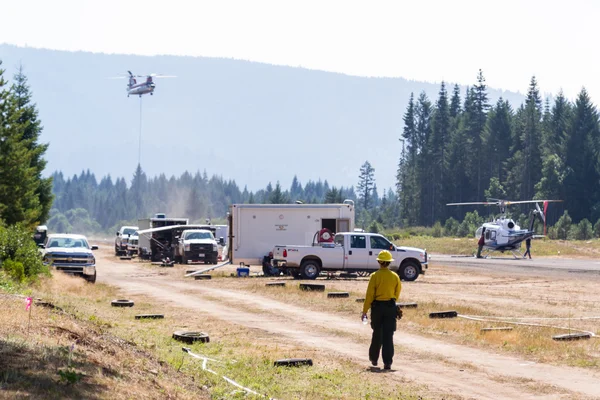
(184, 259)
(293, 362)
(409, 271)
(191, 337)
(91, 278)
(117, 252)
(309, 269)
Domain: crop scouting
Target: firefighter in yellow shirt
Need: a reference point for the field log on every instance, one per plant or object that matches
(382, 293)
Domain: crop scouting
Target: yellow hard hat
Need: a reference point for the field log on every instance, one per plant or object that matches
(385, 255)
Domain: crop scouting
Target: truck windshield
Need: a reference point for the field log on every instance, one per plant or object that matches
(198, 235)
(129, 231)
(67, 242)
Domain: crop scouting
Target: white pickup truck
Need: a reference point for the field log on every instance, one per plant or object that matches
(349, 252)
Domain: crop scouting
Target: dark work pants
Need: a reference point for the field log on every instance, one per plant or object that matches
(383, 322)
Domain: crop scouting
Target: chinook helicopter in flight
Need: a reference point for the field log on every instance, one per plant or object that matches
(503, 234)
(144, 87)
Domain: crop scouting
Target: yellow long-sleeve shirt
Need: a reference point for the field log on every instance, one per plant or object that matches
(383, 285)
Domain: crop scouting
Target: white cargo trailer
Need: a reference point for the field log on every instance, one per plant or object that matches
(255, 229)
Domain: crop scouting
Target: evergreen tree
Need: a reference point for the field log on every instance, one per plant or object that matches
(277, 196)
(32, 129)
(423, 112)
(497, 140)
(407, 185)
(581, 159)
(19, 183)
(438, 157)
(366, 182)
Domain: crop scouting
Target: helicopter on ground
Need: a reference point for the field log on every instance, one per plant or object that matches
(145, 87)
(503, 234)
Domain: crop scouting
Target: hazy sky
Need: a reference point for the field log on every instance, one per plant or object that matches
(511, 40)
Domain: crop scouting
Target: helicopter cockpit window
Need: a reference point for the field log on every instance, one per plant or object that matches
(493, 235)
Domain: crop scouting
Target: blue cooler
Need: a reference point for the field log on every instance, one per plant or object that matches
(243, 272)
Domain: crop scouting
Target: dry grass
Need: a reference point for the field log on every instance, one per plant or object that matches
(70, 354)
(527, 298)
(121, 357)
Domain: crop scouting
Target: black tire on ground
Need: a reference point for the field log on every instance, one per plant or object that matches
(293, 362)
(150, 316)
(125, 257)
(407, 305)
(121, 303)
(360, 300)
(443, 314)
(202, 277)
(572, 336)
(191, 337)
(497, 328)
(409, 271)
(312, 287)
(91, 278)
(275, 284)
(338, 294)
(310, 269)
(351, 275)
(47, 304)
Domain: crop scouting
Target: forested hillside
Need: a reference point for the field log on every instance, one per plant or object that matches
(251, 122)
(459, 150)
(454, 150)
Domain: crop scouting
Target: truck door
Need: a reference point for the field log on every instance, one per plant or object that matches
(357, 253)
(378, 243)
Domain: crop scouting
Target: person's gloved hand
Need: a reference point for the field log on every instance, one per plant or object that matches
(398, 312)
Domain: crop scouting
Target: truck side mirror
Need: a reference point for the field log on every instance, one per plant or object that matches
(117, 233)
(221, 241)
(41, 246)
(94, 247)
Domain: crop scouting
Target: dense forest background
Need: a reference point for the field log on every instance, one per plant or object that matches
(453, 150)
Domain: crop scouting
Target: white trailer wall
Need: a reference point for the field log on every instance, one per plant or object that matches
(257, 228)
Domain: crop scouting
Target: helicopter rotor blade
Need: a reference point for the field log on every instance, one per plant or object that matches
(485, 203)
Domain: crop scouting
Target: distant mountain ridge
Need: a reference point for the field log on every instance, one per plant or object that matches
(251, 122)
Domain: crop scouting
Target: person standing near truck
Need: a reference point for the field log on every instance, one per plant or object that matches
(382, 293)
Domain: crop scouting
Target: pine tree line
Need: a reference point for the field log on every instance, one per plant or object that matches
(468, 150)
(85, 205)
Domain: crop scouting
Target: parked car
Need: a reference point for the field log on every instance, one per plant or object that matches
(122, 239)
(71, 254)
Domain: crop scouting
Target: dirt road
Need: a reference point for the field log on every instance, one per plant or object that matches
(444, 367)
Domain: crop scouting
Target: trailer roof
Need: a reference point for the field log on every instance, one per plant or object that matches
(290, 205)
(171, 227)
